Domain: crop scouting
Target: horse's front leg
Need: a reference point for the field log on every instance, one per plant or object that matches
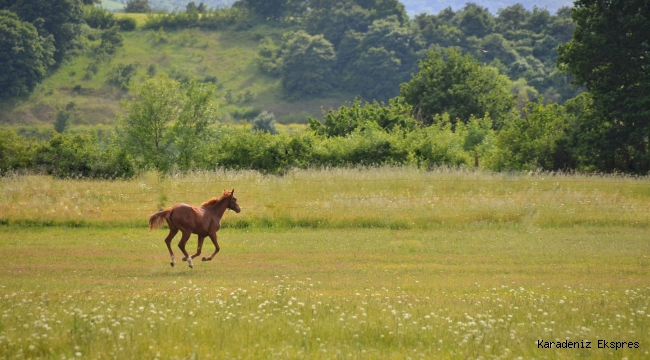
(199, 246)
(213, 237)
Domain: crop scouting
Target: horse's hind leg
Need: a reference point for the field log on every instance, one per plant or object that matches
(213, 237)
(168, 241)
(181, 245)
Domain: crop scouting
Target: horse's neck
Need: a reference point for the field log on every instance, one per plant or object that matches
(219, 208)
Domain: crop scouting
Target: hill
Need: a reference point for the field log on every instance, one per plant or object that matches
(223, 57)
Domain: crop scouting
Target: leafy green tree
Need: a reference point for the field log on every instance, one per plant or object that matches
(60, 18)
(511, 18)
(306, 65)
(475, 20)
(137, 6)
(166, 124)
(610, 56)
(24, 56)
(449, 82)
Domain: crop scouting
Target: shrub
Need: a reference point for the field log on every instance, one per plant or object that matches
(126, 24)
(120, 75)
(265, 121)
(15, 151)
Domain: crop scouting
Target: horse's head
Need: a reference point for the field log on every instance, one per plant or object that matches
(233, 201)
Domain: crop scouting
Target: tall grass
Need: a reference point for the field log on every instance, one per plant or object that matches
(400, 197)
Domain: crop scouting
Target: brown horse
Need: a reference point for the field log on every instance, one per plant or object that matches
(203, 221)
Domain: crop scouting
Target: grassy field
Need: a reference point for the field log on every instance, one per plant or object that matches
(227, 56)
(386, 197)
(485, 272)
(359, 293)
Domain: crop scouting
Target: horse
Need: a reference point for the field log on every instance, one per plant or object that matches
(203, 221)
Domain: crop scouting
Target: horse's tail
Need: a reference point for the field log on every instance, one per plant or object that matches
(156, 220)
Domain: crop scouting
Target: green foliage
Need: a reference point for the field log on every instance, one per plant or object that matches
(265, 122)
(60, 18)
(24, 56)
(168, 125)
(458, 85)
(137, 6)
(268, 58)
(385, 57)
(126, 24)
(347, 119)
(111, 40)
(15, 151)
(79, 155)
(306, 64)
(98, 18)
(523, 41)
(609, 55)
(335, 22)
(120, 75)
(538, 140)
(61, 121)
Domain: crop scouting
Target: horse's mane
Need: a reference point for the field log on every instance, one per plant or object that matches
(215, 201)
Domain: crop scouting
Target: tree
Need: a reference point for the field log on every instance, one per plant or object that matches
(166, 124)
(60, 18)
(475, 20)
(610, 56)
(137, 6)
(458, 85)
(306, 65)
(24, 56)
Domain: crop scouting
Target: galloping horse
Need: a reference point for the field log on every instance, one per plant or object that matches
(203, 221)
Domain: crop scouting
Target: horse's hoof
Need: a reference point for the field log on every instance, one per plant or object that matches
(172, 264)
(184, 259)
(205, 259)
(191, 266)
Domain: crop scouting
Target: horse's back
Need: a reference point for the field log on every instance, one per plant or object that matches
(190, 218)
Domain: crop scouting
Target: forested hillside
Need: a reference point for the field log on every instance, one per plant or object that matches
(461, 88)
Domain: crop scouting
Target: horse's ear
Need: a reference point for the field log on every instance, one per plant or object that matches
(232, 192)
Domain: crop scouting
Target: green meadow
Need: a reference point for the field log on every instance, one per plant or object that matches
(390, 263)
